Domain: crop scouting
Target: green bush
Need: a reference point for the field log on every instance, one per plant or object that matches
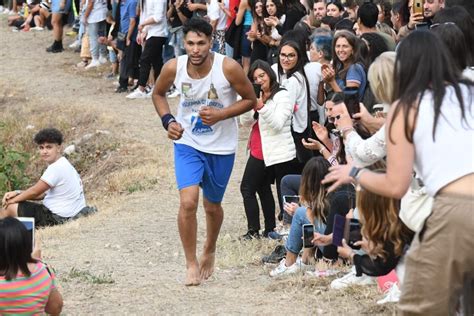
(12, 169)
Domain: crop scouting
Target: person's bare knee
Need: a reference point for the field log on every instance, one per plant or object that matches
(212, 208)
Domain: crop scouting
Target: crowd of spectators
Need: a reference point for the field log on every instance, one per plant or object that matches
(355, 101)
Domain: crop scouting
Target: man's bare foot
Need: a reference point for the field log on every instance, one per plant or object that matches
(192, 275)
(207, 265)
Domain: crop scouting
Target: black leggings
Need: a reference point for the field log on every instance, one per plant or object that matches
(152, 55)
(257, 180)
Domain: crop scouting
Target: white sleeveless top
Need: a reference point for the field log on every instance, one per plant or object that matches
(220, 138)
(451, 155)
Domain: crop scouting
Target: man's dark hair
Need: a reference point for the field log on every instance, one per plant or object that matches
(331, 21)
(197, 25)
(15, 248)
(344, 24)
(49, 135)
(368, 14)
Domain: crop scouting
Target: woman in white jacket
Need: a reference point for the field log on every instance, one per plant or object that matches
(272, 150)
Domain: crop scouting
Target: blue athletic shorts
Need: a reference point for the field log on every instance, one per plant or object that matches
(211, 172)
(56, 6)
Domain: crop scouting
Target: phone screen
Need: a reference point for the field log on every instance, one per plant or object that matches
(352, 232)
(308, 235)
(338, 230)
(257, 88)
(291, 199)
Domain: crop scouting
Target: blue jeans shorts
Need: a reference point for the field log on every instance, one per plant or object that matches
(211, 172)
(55, 6)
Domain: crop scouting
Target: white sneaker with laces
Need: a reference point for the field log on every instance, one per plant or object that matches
(93, 64)
(102, 60)
(137, 94)
(282, 269)
(351, 279)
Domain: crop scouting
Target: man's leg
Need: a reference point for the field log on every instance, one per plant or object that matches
(187, 225)
(214, 218)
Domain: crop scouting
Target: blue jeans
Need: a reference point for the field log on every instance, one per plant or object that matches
(229, 51)
(94, 29)
(294, 244)
(290, 185)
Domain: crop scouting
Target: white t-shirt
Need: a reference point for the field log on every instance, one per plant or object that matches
(214, 13)
(65, 196)
(99, 11)
(157, 10)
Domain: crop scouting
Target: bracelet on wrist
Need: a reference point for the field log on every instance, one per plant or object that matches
(18, 192)
(321, 151)
(167, 119)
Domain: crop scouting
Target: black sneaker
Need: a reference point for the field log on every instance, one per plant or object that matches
(251, 234)
(121, 90)
(277, 254)
(55, 48)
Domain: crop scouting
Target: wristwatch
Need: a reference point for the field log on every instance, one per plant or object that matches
(354, 173)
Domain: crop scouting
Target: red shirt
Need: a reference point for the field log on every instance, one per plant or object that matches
(255, 142)
(233, 6)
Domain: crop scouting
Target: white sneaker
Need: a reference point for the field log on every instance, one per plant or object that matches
(303, 266)
(37, 28)
(75, 44)
(93, 64)
(392, 295)
(173, 94)
(282, 269)
(351, 279)
(103, 60)
(137, 94)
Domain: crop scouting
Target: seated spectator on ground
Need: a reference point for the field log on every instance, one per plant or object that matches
(318, 208)
(60, 187)
(384, 237)
(27, 285)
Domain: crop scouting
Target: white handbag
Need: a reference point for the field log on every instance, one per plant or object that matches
(415, 206)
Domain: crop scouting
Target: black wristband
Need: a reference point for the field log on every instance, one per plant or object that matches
(167, 119)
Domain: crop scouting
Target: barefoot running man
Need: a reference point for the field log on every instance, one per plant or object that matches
(204, 134)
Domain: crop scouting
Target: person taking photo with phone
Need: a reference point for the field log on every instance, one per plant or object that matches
(204, 133)
(271, 146)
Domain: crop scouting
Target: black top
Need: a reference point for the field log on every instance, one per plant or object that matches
(174, 19)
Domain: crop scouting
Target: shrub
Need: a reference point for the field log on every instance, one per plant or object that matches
(12, 169)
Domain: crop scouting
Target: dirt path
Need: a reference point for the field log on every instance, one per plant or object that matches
(127, 259)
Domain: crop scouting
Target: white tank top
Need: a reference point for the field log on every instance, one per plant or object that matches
(212, 90)
(451, 155)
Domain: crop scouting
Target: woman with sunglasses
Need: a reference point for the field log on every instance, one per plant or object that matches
(272, 150)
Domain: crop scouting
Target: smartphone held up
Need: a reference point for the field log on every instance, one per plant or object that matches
(308, 235)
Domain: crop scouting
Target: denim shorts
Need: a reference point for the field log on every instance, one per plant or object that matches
(55, 6)
(209, 171)
(245, 44)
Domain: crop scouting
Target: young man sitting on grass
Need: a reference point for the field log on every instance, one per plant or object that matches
(60, 187)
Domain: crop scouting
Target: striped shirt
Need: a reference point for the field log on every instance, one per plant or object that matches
(26, 295)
